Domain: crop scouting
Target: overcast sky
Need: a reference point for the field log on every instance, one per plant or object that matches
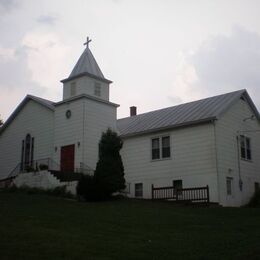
(158, 53)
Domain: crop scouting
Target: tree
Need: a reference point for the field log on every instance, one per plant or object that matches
(1, 122)
(109, 173)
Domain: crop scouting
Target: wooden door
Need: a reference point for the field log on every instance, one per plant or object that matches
(67, 157)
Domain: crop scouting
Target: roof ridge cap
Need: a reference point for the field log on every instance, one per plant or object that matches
(198, 100)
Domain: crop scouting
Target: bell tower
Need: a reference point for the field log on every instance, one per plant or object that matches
(86, 78)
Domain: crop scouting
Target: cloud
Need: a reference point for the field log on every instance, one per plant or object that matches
(35, 67)
(47, 19)
(7, 5)
(229, 62)
(14, 70)
(222, 64)
(46, 58)
(6, 54)
(184, 83)
(16, 78)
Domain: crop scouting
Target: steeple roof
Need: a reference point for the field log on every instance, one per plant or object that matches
(87, 63)
(87, 66)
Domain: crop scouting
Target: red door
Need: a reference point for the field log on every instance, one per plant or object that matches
(67, 155)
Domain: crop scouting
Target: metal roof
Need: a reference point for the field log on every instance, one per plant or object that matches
(44, 102)
(199, 111)
(49, 104)
(88, 97)
(87, 65)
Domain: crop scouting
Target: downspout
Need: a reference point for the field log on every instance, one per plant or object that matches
(217, 161)
(238, 163)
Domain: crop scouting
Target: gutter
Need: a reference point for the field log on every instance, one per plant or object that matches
(169, 127)
(86, 74)
(88, 97)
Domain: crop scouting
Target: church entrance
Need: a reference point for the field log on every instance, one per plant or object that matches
(67, 155)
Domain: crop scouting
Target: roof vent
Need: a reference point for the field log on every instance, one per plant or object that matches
(133, 111)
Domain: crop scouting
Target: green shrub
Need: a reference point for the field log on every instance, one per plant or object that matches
(43, 167)
(29, 168)
(109, 173)
(255, 200)
(12, 188)
(57, 191)
(60, 192)
(88, 189)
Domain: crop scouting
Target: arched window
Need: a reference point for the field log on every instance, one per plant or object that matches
(27, 154)
(22, 157)
(27, 149)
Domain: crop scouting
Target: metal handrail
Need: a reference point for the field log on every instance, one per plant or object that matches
(45, 164)
(85, 169)
(34, 166)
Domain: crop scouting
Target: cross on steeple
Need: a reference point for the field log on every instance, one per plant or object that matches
(87, 42)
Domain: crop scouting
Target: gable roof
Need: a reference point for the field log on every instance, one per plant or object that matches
(86, 66)
(93, 98)
(200, 111)
(44, 102)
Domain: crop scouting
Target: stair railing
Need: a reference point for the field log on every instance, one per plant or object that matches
(85, 169)
(34, 166)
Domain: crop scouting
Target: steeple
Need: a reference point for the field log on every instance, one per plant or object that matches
(86, 65)
(86, 77)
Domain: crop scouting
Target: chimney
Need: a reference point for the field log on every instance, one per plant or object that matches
(133, 111)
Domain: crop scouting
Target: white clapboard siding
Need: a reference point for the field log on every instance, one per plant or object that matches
(98, 118)
(69, 131)
(192, 160)
(227, 128)
(33, 119)
(89, 118)
(85, 85)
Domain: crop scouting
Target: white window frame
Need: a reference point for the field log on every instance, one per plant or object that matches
(160, 138)
(97, 89)
(73, 88)
(245, 143)
(139, 192)
(159, 148)
(229, 186)
(168, 147)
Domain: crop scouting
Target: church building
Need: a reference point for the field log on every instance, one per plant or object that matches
(213, 141)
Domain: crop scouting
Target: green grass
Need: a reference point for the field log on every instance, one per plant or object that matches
(36, 226)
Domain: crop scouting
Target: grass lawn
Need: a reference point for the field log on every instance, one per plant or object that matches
(44, 227)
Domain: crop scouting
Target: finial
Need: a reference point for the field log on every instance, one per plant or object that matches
(87, 42)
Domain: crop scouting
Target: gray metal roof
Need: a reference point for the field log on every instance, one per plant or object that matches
(87, 65)
(100, 100)
(200, 111)
(44, 102)
(49, 104)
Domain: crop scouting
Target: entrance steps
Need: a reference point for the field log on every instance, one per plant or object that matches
(45, 180)
(66, 176)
